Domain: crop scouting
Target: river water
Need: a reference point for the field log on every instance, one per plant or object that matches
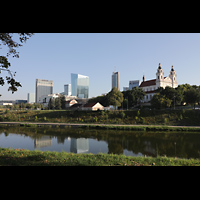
(131, 143)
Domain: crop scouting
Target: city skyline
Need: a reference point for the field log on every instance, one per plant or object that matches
(54, 56)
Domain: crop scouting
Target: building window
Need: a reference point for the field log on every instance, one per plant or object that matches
(158, 77)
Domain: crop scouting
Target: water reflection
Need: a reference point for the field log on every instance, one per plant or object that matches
(183, 145)
(80, 145)
(44, 141)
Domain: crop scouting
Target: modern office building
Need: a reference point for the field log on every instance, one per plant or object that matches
(43, 87)
(116, 80)
(31, 98)
(67, 90)
(80, 85)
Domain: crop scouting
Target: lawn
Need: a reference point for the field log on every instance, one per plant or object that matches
(22, 157)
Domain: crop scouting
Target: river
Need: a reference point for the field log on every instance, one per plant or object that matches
(131, 143)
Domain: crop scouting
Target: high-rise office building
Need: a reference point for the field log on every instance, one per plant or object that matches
(67, 90)
(116, 80)
(43, 87)
(80, 85)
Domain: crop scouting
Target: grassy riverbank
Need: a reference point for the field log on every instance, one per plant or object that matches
(142, 117)
(21, 157)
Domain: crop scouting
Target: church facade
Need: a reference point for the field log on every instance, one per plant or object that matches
(151, 86)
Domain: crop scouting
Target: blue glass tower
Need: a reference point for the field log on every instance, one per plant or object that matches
(80, 85)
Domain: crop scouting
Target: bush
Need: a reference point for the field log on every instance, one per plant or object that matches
(123, 115)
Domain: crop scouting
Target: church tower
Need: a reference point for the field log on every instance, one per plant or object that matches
(159, 77)
(172, 76)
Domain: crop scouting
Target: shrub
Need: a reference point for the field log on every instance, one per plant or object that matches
(123, 115)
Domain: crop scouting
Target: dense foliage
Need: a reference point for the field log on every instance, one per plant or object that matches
(6, 39)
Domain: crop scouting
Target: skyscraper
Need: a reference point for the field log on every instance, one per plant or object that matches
(67, 89)
(116, 80)
(80, 85)
(43, 87)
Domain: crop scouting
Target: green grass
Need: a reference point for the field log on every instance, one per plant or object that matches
(21, 157)
(144, 117)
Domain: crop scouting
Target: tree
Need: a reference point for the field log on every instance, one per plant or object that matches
(51, 104)
(115, 97)
(133, 97)
(192, 96)
(7, 40)
(160, 101)
(62, 100)
(103, 100)
(58, 103)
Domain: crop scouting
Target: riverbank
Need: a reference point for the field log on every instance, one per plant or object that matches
(22, 157)
(105, 126)
(130, 117)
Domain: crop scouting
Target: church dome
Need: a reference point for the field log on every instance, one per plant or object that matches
(172, 68)
(159, 67)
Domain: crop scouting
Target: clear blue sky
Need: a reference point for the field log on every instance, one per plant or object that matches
(54, 56)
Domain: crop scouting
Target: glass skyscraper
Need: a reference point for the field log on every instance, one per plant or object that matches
(43, 87)
(80, 85)
(116, 80)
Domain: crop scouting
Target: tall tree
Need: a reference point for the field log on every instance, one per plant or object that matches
(51, 104)
(133, 97)
(6, 39)
(192, 96)
(62, 100)
(115, 97)
(58, 103)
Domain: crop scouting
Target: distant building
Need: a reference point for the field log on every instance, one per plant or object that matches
(151, 86)
(18, 101)
(125, 89)
(116, 80)
(46, 98)
(133, 84)
(80, 85)
(93, 106)
(67, 90)
(69, 103)
(31, 98)
(43, 87)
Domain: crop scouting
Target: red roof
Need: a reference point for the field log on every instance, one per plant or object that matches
(148, 83)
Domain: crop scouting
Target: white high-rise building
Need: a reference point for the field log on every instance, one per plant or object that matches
(31, 98)
(43, 87)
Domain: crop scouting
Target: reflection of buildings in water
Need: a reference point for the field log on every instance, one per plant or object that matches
(80, 145)
(149, 150)
(60, 139)
(44, 141)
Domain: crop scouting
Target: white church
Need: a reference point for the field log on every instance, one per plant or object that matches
(151, 85)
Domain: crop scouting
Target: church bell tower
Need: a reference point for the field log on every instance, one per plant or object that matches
(173, 77)
(159, 76)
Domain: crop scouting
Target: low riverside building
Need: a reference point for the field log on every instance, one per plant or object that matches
(70, 103)
(92, 106)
